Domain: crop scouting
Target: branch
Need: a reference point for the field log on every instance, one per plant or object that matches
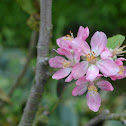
(17, 82)
(106, 115)
(41, 69)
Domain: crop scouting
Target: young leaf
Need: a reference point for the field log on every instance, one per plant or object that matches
(112, 42)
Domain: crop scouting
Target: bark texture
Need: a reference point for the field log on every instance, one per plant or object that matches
(41, 69)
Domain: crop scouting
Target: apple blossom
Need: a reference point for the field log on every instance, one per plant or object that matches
(93, 97)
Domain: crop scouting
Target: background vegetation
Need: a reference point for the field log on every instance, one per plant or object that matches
(18, 18)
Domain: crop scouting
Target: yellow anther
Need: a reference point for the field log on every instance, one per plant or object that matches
(121, 69)
(92, 88)
(90, 56)
(66, 64)
(69, 37)
(120, 72)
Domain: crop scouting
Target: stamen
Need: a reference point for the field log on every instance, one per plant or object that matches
(93, 90)
(91, 57)
(119, 50)
(121, 69)
(69, 37)
(66, 64)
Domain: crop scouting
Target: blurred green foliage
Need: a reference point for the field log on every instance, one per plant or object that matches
(17, 19)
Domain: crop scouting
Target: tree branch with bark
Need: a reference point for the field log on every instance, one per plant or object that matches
(106, 115)
(41, 67)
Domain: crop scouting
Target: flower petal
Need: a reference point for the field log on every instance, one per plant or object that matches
(108, 67)
(69, 78)
(61, 73)
(65, 52)
(106, 54)
(83, 33)
(58, 41)
(85, 47)
(56, 62)
(79, 90)
(93, 101)
(77, 54)
(98, 42)
(105, 85)
(64, 43)
(82, 81)
(119, 61)
(92, 73)
(79, 69)
(78, 43)
(121, 74)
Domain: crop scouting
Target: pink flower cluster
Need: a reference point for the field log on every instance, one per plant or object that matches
(88, 64)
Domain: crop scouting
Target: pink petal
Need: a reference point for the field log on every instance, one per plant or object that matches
(92, 73)
(83, 33)
(69, 78)
(82, 81)
(121, 74)
(93, 101)
(106, 54)
(108, 67)
(98, 42)
(119, 61)
(64, 43)
(85, 47)
(58, 41)
(65, 52)
(105, 85)
(113, 78)
(98, 77)
(61, 73)
(79, 90)
(76, 43)
(79, 69)
(56, 62)
(77, 54)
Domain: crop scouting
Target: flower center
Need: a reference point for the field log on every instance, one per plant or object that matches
(91, 57)
(121, 70)
(92, 89)
(66, 64)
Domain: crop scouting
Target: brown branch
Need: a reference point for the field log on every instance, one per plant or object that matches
(41, 69)
(106, 115)
(32, 45)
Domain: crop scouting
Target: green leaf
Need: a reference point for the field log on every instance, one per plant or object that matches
(112, 42)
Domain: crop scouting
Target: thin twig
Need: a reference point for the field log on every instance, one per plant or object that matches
(106, 115)
(32, 45)
(41, 68)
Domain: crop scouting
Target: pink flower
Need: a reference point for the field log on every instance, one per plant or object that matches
(122, 72)
(70, 43)
(93, 97)
(95, 60)
(65, 65)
